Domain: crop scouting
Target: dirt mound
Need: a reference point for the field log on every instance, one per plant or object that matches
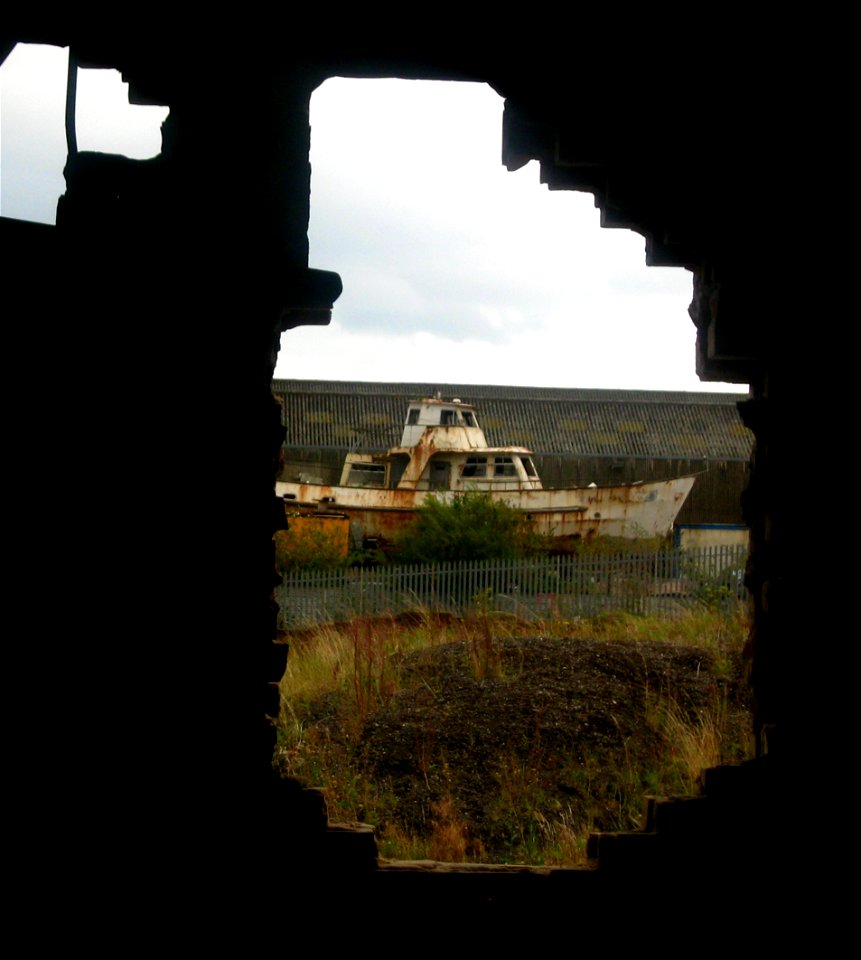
(561, 731)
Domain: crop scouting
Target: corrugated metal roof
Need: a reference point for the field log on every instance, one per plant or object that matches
(485, 391)
(615, 423)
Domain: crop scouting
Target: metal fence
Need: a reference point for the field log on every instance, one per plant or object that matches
(662, 583)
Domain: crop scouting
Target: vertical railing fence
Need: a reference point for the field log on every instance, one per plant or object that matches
(665, 582)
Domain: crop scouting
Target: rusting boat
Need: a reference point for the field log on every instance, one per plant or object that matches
(444, 453)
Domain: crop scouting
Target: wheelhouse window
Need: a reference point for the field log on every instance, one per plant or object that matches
(447, 418)
(529, 467)
(413, 416)
(504, 467)
(367, 475)
(469, 418)
(475, 467)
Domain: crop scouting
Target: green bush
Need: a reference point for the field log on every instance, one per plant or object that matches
(472, 526)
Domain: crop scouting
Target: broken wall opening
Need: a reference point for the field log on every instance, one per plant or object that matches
(348, 222)
(716, 196)
(34, 80)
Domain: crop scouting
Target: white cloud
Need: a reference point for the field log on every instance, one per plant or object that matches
(33, 141)
(455, 270)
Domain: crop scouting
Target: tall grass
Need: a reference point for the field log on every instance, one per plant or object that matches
(339, 677)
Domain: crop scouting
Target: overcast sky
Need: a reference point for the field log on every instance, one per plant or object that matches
(454, 270)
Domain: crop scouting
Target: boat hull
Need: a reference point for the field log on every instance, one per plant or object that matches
(629, 511)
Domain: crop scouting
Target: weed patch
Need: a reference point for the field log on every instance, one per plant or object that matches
(477, 740)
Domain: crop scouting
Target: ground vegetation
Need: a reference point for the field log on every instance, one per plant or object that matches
(487, 739)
